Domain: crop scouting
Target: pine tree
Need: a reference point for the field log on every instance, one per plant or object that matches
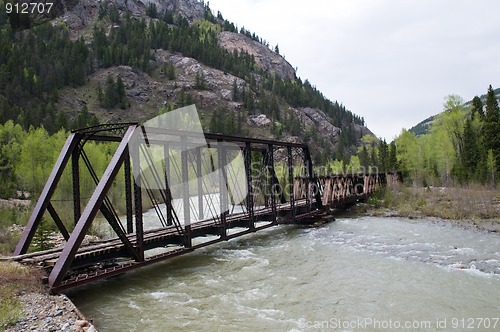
(120, 91)
(383, 155)
(471, 152)
(477, 107)
(364, 158)
(491, 127)
(393, 157)
(236, 92)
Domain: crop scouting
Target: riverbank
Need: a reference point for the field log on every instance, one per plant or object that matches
(25, 304)
(475, 207)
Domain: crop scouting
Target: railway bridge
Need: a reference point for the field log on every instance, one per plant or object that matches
(183, 190)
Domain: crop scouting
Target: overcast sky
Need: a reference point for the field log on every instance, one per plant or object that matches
(392, 62)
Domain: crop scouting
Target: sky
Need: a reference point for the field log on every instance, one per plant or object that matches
(392, 62)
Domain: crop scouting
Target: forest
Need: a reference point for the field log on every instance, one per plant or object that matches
(462, 146)
(38, 61)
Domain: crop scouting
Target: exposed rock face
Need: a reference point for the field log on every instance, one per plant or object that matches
(315, 117)
(260, 121)
(78, 14)
(190, 9)
(267, 59)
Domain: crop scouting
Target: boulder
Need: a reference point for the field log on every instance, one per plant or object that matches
(260, 121)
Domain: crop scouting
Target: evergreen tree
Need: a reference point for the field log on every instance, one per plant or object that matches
(170, 71)
(236, 92)
(383, 155)
(477, 107)
(491, 127)
(110, 96)
(471, 149)
(393, 158)
(151, 10)
(364, 158)
(120, 90)
(200, 83)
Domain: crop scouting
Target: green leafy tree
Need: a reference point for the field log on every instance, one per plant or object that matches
(36, 160)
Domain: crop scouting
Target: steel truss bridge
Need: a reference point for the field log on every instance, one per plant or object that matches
(179, 196)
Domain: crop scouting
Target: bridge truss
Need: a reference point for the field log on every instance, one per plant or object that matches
(179, 195)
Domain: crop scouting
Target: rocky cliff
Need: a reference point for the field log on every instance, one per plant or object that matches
(270, 113)
(267, 59)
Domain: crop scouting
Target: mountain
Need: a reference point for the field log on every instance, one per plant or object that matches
(89, 62)
(422, 127)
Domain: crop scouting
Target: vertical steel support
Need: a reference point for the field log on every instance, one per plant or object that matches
(313, 180)
(272, 175)
(139, 228)
(168, 205)
(134, 152)
(185, 190)
(200, 184)
(291, 197)
(222, 187)
(128, 194)
(250, 198)
(266, 188)
(75, 170)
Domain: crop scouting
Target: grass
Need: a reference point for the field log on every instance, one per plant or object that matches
(457, 203)
(8, 217)
(14, 280)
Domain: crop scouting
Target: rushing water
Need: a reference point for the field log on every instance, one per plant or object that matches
(352, 274)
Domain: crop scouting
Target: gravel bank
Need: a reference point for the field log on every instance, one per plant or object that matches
(46, 313)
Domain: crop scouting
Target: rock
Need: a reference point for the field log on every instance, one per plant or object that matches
(81, 323)
(91, 329)
(260, 121)
(321, 121)
(44, 312)
(189, 9)
(264, 57)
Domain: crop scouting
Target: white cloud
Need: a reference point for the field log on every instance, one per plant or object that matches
(390, 61)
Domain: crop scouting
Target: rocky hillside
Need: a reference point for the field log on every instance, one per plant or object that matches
(140, 58)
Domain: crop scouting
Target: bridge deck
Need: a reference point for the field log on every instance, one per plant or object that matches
(167, 240)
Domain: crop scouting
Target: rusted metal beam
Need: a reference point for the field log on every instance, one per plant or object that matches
(63, 263)
(185, 190)
(223, 194)
(291, 197)
(58, 221)
(247, 154)
(47, 192)
(128, 193)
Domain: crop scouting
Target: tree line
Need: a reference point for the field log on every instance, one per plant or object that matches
(462, 146)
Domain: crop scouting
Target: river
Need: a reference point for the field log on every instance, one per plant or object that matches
(354, 274)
